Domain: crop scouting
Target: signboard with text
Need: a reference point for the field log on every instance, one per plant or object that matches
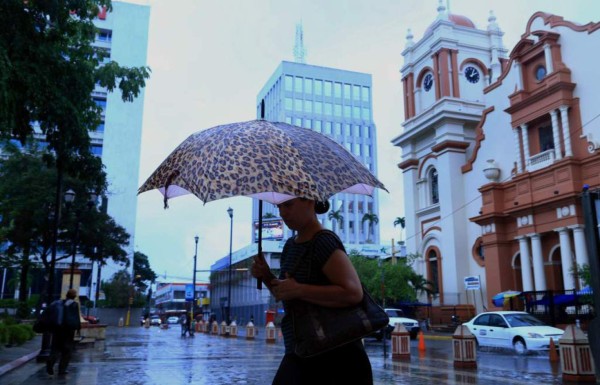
(472, 283)
(189, 292)
(272, 230)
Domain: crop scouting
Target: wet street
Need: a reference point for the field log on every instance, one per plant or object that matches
(153, 356)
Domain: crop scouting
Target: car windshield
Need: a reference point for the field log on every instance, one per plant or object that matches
(394, 313)
(518, 320)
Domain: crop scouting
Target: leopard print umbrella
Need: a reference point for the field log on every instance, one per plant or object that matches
(269, 161)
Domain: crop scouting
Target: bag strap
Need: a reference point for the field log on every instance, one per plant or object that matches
(310, 251)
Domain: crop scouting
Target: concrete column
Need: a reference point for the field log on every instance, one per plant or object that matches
(539, 275)
(417, 98)
(518, 148)
(564, 118)
(548, 57)
(517, 68)
(566, 258)
(555, 135)
(525, 264)
(581, 255)
(525, 144)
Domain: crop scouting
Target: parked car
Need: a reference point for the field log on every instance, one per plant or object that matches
(155, 320)
(397, 316)
(173, 320)
(91, 319)
(518, 330)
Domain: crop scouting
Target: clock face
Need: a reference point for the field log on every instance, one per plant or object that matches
(472, 74)
(428, 82)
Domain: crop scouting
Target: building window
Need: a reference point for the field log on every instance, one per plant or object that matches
(546, 138)
(288, 119)
(477, 252)
(104, 35)
(307, 123)
(367, 132)
(318, 125)
(338, 129)
(298, 84)
(366, 114)
(298, 122)
(365, 94)
(356, 112)
(308, 106)
(328, 128)
(328, 109)
(337, 110)
(289, 83)
(356, 93)
(327, 90)
(100, 127)
(433, 185)
(298, 105)
(318, 87)
(540, 73)
(96, 149)
(289, 104)
(318, 107)
(347, 112)
(434, 274)
(347, 91)
(337, 90)
(308, 86)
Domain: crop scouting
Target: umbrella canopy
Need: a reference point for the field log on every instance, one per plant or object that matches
(499, 298)
(585, 291)
(273, 162)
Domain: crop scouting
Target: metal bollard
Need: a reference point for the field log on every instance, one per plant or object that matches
(215, 328)
(400, 343)
(270, 332)
(464, 348)
(223, 332)
(250, 331)
(233, 329)
(576, 356)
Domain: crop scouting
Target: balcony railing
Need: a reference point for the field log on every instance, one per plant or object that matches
(541, 160)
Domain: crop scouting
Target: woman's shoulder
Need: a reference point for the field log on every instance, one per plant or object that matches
(328, 238)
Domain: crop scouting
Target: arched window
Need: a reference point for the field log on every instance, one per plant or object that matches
(433, 186)
(432, 261)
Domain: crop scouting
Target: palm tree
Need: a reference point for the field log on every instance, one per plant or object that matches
(336, 217)
(402, 222)
(372, 219)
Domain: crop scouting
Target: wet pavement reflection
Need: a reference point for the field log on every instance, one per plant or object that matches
(156, 356)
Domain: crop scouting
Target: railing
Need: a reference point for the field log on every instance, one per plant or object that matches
(541, 160)
(554, 307)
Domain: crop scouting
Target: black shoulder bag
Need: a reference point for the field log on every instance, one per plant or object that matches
(318, 329)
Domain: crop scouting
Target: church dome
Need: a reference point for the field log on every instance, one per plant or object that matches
(455, 19)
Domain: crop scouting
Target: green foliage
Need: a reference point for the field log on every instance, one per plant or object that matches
(142, 270)
(18, 334)
(583, 272)
(395, 278)
(119, 289)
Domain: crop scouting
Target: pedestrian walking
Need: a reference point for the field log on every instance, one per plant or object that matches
(66, 316)
(326, 278)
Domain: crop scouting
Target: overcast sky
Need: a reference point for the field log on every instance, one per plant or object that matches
(209, 59)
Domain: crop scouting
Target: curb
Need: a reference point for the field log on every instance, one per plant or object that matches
(18, 362)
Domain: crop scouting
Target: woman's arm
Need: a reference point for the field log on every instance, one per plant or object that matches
(345, 288)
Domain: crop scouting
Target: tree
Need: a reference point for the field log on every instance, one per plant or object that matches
(26, 199)
(372, 218)
(141, 268)
(336, 217)
(48, 70)
(402, 222)
(395, 278)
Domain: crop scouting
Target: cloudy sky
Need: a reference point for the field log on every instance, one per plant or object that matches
(209, 60)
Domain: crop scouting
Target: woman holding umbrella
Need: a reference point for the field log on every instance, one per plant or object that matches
(330, 280)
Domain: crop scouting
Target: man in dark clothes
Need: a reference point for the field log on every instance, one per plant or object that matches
(63, 333)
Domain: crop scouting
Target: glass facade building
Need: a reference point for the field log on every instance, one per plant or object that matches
(336, 103)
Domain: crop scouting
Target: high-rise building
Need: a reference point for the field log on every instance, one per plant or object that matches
(124, 34)
(337, 103)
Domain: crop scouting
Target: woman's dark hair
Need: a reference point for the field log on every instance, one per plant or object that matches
(321, 207)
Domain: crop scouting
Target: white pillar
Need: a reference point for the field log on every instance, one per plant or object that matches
(539, 275)
(566, 258)
(518, 147)
(564, 118)
(517, 68)
(548, 57)
(555, 135)
(525, 264)
(581, 254)
(525, 136)
(417, 99)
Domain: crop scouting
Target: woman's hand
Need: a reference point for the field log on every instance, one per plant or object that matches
(261, 270)
(286, 289)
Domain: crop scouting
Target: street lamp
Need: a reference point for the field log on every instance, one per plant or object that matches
(194, 278)
(69, 199)
(230, 212)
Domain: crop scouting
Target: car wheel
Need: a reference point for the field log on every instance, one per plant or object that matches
(520, 346)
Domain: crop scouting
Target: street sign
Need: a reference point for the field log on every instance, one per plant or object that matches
(472, 283)
(189, 292)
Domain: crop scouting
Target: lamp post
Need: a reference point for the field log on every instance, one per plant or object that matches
(194, 278)
(228, 314)
(69, 199)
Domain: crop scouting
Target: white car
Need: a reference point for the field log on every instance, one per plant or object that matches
(518, 330)
(397, 316)
(173, 320)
